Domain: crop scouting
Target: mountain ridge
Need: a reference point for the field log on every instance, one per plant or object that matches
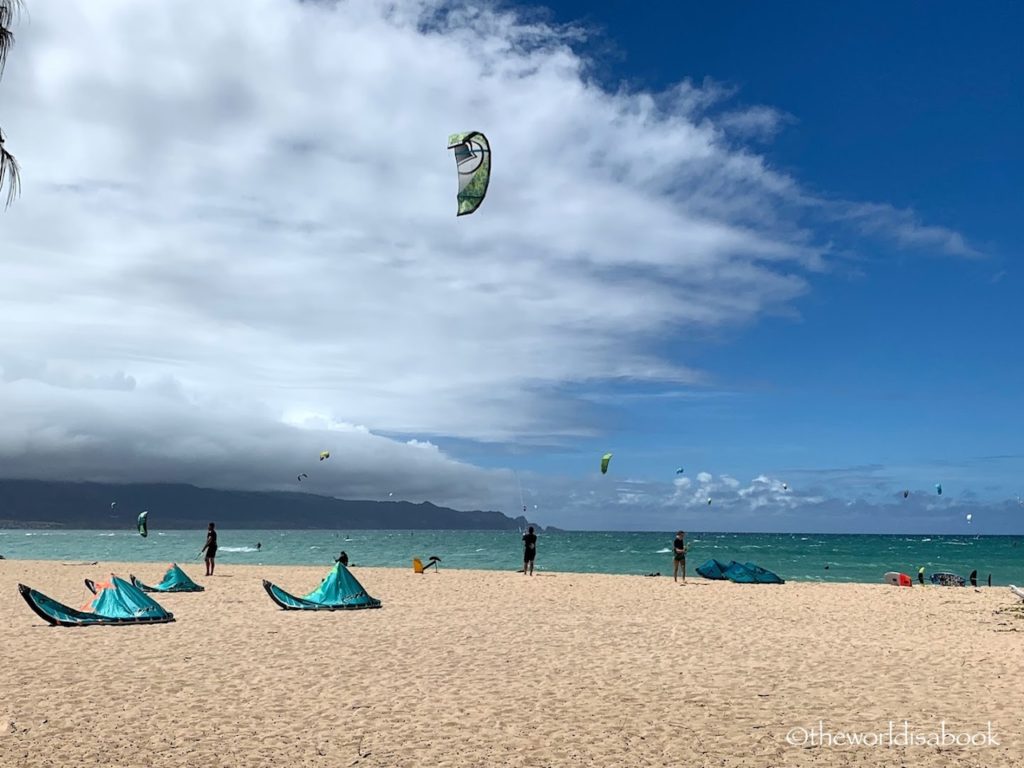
(87, 505)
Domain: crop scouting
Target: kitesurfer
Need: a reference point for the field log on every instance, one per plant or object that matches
(210, 548)
(342, 558)
(529, 550)
(679, 556)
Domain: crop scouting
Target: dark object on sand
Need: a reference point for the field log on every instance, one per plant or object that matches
(973, 578)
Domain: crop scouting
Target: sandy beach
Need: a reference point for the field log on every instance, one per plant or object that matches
(472, 668)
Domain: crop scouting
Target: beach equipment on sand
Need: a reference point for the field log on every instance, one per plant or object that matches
(749, 573)
(115, 602)
(175, 580)
(1017, 591)
(947, 580)
(419, 567)
(898, 579)
(712, 569)
(339, 591)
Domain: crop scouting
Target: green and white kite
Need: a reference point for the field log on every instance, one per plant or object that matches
(473, 160)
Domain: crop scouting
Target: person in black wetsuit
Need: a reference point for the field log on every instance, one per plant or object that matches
(342, 558)
(679, 556)
(210, 548)
(529, 550)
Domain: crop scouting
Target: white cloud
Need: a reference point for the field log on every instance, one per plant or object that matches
(237, 243)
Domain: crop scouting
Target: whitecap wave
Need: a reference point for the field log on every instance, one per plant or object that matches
(236, 549)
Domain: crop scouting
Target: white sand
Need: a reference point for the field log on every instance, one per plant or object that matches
(472, 668)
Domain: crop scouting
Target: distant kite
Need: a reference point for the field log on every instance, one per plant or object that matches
(709, 501)
(679, 471)
(303, 475)
(938, 488)
(325, 455)
(143, 523)
(969, 516)
(604, 463)
(905, 494)
(473, 161)
(785, 487)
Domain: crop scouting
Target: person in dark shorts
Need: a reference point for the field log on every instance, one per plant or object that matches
(342, 558)
(529, 550)
(679, 556)
(210, 548)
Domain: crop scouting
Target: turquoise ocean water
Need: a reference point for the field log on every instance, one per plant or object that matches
(851, 558)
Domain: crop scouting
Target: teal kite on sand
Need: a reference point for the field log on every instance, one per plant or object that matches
(339, 591)
(175, 580)
(116, 602)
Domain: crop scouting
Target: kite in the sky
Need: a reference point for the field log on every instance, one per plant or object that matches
(473, 160)
(325, 455)
(302, 475)
(938, 488)
(785, 487)
(905, 494)
(112, 505)
(709, 501)
(969, 516)
(143, 523)
(679, 471)
(604, 463)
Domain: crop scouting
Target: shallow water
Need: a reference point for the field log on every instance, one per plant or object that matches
(850, 558)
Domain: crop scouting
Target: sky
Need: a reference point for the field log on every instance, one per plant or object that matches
(775, 247)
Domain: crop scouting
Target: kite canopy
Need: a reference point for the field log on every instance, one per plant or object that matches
(473, 161)
(748, 573)
(679, 471)
(325, 455)
(175, 580)
(604, 463)
(938, 488)
(905, 494)
(143, 523)
(339, 591)
(116, 602)
(712, 569)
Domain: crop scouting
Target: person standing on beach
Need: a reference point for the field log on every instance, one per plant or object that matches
(210, 548)
(529, 550)
(679, 556)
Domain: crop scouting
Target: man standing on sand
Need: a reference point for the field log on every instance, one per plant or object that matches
(529, 550)
(679, 556)
(210, 548)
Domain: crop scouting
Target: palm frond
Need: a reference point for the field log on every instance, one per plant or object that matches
(9, 12)
(10, 173)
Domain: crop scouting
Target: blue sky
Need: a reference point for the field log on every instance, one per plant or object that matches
(895, 357)
(771, 244)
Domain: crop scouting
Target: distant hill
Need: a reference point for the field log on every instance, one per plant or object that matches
(44, 504)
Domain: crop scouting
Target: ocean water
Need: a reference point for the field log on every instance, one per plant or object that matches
(803, 557)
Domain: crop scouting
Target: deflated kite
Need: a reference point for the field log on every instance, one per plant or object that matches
(473, 161)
